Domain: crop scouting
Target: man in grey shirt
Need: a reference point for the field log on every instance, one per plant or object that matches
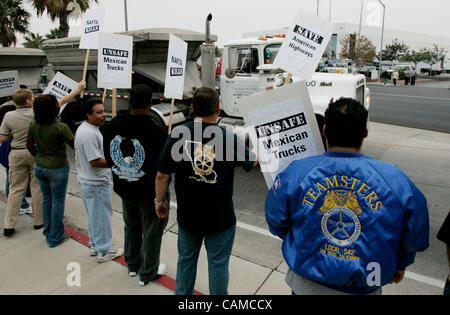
(94, 177)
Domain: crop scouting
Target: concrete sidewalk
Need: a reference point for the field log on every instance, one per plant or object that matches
(256, 265)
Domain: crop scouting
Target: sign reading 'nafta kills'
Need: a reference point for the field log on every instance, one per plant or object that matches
(304, 45)
(92, 27)
(176, 66)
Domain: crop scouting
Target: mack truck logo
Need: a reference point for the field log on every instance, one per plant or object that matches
(308, 34)
(115, 52)
(62, 87)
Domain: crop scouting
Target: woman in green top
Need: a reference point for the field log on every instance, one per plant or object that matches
(47, 140)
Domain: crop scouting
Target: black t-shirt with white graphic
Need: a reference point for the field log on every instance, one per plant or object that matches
(203, 157)
(132, 146)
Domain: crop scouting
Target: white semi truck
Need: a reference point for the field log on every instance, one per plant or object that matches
(246, 69)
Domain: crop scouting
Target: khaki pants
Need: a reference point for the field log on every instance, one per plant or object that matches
(21, 172)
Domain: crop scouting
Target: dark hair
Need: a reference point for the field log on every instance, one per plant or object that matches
(346, 123)
(140, 96)
(205, 101)
(87, 107)
(46, 108)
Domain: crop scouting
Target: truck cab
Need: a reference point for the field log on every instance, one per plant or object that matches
(247, 69)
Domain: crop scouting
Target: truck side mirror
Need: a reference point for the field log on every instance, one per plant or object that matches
(230, 71)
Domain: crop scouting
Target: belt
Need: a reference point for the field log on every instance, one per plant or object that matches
(18, 148)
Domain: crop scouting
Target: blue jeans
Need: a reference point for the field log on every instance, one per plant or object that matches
(53, 184)
(97, 201)
(25, 204)
(218, 248)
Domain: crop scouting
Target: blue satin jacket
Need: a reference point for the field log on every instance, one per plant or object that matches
(347, 220)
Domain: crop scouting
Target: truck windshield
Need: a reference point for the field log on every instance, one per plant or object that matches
(270, 52)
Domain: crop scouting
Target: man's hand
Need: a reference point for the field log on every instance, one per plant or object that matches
(81, 86)
(398, 276)
(162, 210)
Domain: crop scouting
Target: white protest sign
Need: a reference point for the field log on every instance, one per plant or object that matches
(283, 127)
(60, 86)
(176, 66)
(304, 45)
(9, 82)
(92, 27)
(115, 61)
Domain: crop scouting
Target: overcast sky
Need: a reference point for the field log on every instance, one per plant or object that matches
(231, 18)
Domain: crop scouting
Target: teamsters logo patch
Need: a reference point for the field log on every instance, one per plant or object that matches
(340, 223)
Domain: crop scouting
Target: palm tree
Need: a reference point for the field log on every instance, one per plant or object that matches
(13, 19)
(33, 41)
(60, 9)
(54, 34)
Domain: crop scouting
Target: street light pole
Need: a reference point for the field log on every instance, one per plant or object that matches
(318, 7)
(382, 36)
(126, 15)
(330, 53)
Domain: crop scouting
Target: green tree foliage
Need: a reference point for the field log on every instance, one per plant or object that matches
(60, 9)
(33, 40)
(13, 19)
(54, 34)
(427, 55)
(359, 49)
(395, 50)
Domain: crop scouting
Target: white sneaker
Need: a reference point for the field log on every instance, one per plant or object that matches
(28, 210)
(112, 254)
(132, 273)
(94, 252)
(161, 271)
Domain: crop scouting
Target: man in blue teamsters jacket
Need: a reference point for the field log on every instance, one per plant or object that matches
(349, 223)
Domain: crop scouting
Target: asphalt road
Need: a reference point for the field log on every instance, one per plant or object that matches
(411, 106)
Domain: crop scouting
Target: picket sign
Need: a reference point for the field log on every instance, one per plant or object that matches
(86, 59)
(9, 82)
(114, 102)
(89, 38)
(282, 126)
(175, 72)
(304, 45)
(115, 59)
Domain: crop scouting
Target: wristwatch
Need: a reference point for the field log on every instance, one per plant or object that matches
(159, 202)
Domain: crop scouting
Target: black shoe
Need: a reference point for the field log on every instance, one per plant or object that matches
(8, 232)
(447, 287)
(38, 227)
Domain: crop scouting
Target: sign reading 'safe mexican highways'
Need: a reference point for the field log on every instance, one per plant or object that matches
(304, 45)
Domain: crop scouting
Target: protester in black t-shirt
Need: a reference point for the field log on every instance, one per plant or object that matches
(132, 144)
(444, 236)
(203, 157)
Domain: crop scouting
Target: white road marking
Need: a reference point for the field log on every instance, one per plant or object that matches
(425, 279)
(413, 96)
(408, 274)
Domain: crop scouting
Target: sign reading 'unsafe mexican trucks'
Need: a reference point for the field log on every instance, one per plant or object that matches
(304, 45)
(282, 126)
(115, 61)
